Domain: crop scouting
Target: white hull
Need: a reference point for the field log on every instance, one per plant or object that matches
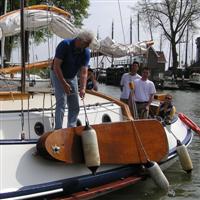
(27, 170)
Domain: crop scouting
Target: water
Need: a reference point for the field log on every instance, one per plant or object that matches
(182, 186)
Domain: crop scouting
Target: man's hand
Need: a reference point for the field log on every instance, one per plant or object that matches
(67, 88)
(82, 93)
(147, 107)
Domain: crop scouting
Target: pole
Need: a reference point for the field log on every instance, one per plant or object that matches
(22, 37)
(186, 47)
(131, 25)
(169, 56)
(3, 38)
(138, 20)
(112, 36)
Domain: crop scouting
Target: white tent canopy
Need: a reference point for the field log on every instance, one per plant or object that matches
(59, 24)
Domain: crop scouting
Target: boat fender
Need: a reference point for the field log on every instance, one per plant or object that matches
(184, 157)
(187, 121)
(157, 175)
(90, 148)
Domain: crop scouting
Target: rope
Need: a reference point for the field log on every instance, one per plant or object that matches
(121, 21)
(22, 115)
(52, 115)
(86, 117)
(172, 134)
(140, 141)
(29, 127)
(43, 108)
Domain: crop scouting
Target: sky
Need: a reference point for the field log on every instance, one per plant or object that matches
(103, 12)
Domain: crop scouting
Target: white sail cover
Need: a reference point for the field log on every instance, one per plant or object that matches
(59, 24)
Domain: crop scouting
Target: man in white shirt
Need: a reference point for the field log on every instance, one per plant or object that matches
(144, 93)
(127, 80)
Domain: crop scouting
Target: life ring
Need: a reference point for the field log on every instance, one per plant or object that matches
(187, 121)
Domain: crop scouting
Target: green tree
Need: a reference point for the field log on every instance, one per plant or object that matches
(172, 17)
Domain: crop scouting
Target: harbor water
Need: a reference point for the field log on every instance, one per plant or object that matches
(182, 186)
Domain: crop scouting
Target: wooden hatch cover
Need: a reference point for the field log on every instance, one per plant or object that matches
(119, 143)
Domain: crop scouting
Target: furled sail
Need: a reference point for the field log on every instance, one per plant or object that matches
(59, 22)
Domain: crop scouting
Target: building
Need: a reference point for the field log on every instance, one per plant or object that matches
(155, 61)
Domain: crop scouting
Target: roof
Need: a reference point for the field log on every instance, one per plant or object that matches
(161, 57)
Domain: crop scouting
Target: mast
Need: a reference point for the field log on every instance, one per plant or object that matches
(131, 34)
(138, 22)
(22, 37)
(186, 47)
(3, 38)
(131, 30)
(112, 37)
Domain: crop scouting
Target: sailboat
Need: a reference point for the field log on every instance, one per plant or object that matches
(40, 162)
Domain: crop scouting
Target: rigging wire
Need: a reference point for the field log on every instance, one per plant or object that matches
(49, 62)
(121, 21)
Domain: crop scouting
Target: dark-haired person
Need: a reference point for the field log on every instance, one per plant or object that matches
(91, 81)
(72, 56)
(144, 93)
(127, 80)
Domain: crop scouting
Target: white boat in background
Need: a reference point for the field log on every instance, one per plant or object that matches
(170, 84)
(33, 82)
(194, 80)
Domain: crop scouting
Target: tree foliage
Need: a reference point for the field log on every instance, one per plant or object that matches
(172, 17)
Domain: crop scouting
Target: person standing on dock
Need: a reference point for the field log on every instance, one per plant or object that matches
(144, 93)
(72, 56)
(127, 80)
(127, 88)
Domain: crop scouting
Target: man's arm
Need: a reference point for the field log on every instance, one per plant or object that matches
(94, 82)
(122, 83)
(57, 69)
(150, 100)
(83, 81)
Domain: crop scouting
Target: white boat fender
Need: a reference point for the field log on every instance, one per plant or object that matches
(90, 148)
(184, 157)
(157, 175)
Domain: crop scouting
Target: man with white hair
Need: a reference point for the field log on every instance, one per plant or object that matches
(72, 56)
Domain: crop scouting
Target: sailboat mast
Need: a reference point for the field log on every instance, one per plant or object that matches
(112, 36)
(131, 30)
(138, 25)
(3, 38)
(186, 47)
(22, 36)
